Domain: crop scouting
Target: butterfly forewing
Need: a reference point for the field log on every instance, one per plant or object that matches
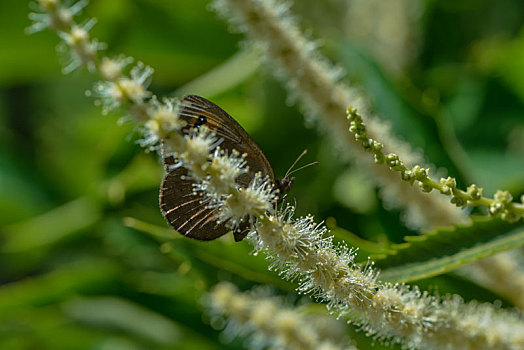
(180, 204)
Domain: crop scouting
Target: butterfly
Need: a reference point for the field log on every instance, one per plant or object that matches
(182, 207)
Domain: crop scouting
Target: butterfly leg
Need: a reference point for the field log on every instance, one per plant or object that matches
(240, 232)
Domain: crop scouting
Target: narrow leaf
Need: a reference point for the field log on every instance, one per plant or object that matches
(445, 249)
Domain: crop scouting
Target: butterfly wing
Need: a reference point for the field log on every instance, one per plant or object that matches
(182, 207)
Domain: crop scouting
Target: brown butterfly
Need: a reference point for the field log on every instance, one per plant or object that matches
(180, 205)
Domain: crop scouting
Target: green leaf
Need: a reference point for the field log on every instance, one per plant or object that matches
(132, 318)
(235, 258)
(56, 285)
(51, 227)
(225, 76)
(365, 247)
(445, 249)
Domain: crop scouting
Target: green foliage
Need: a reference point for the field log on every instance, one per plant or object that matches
(444, 249)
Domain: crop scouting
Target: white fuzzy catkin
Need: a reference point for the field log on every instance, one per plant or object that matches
(395, 313)
(269, 323)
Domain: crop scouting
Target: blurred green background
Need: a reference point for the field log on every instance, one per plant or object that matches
(87, 261)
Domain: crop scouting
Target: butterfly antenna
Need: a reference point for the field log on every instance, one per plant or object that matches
(302, 167)
(289, 172)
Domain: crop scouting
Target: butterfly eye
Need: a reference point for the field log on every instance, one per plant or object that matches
(200, 121)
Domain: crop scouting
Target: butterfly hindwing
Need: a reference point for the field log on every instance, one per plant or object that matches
(184, 209)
